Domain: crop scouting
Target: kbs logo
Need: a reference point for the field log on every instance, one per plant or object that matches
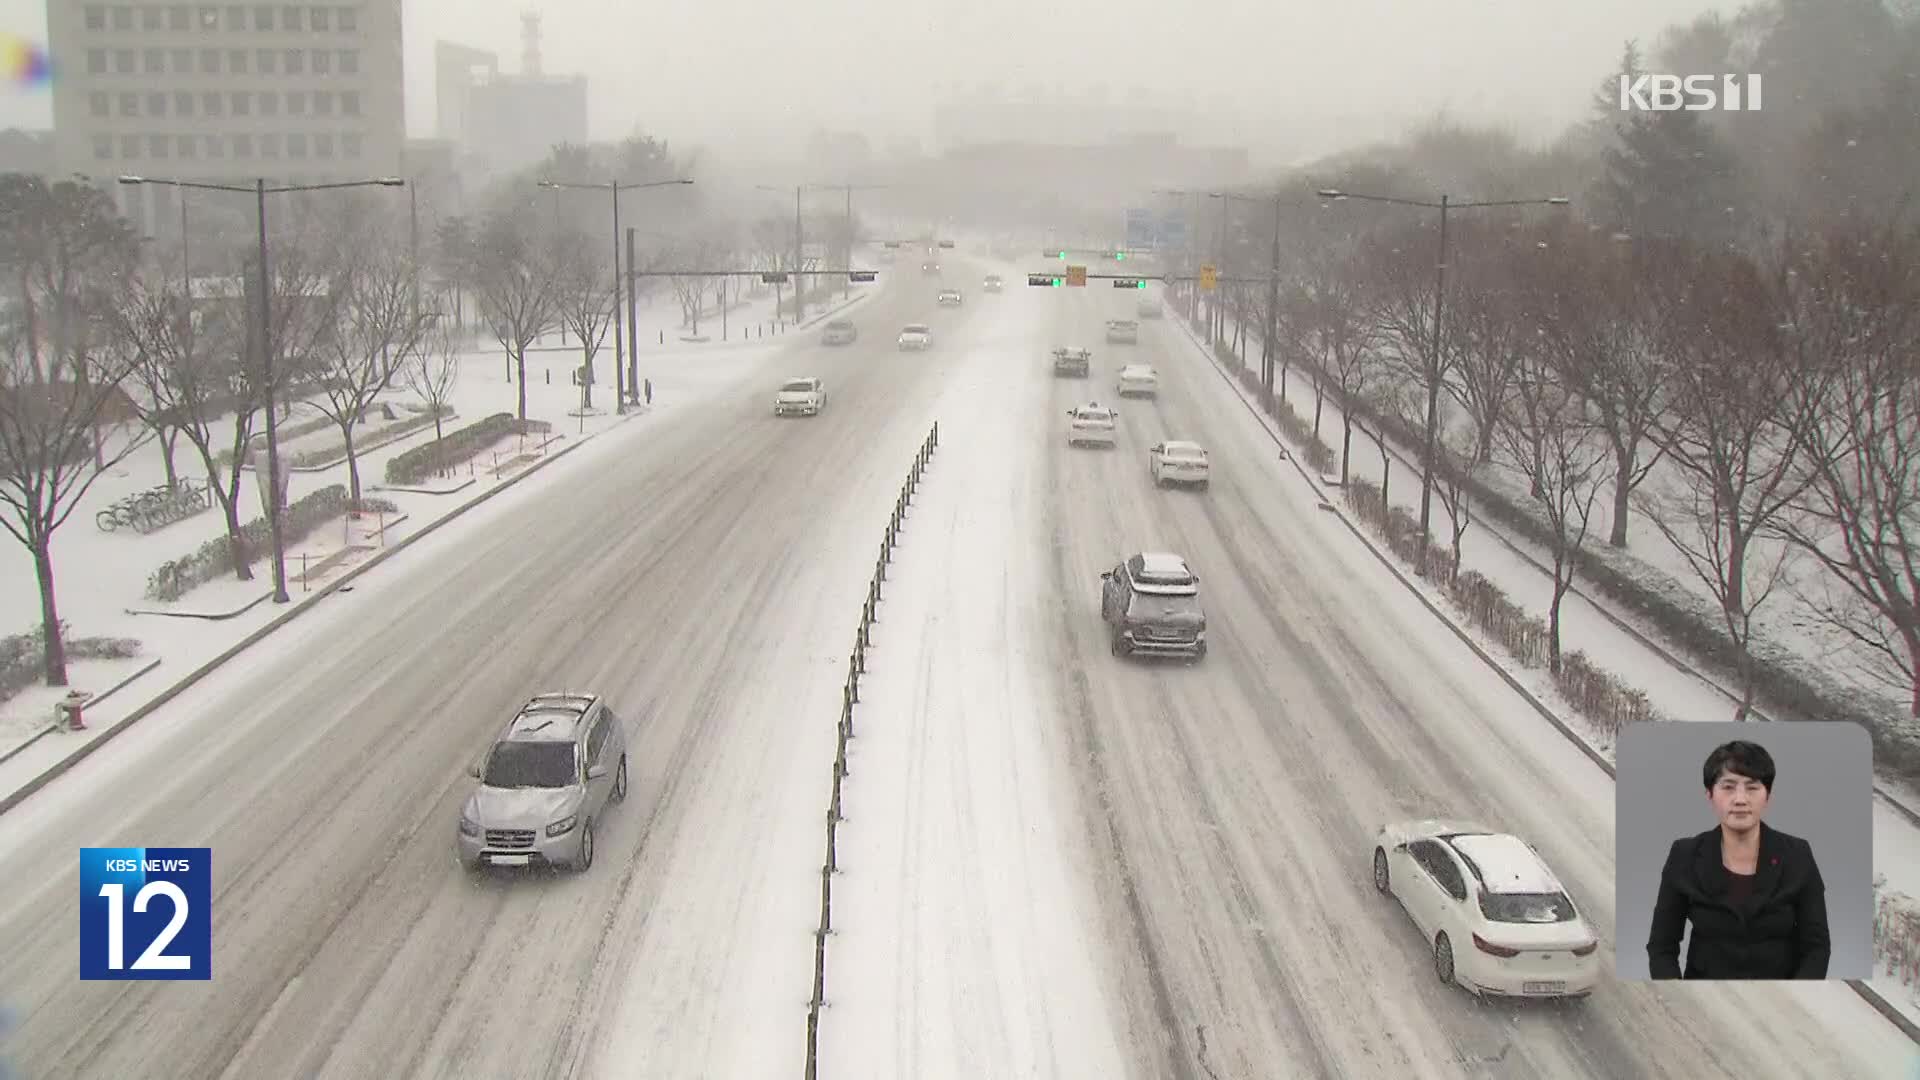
(1693, 93)
(144, 913)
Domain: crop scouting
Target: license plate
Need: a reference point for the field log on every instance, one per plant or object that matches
(522, 860)
(1543, 987)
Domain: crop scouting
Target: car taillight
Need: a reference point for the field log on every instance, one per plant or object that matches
(1491, 949)
(1587, 949)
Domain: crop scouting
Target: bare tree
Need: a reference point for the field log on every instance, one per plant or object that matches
(698, 252)
(1550, 440)
(372, 321)
(1463, 449)
(432, 368)
(518, 293)
(1858, 310)
(1403, 307)
(1741, 401)
(585, 302)
(1383, 403)
(1596, 299)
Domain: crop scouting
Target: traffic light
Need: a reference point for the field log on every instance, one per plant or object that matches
(1043, 279)
(1129, 283)
(1120, 256)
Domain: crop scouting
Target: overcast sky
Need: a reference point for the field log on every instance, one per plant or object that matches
(1317, 75)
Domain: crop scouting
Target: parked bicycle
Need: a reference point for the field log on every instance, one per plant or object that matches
(155, 508)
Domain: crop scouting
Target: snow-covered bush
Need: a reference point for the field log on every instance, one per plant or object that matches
(23, 656)
(215, 557)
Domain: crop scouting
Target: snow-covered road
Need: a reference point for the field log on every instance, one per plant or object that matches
(1055, 864)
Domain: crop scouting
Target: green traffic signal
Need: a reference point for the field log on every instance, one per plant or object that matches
(1120, 255)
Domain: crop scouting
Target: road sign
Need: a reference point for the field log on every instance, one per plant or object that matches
(1129, 283)
(1140, 228)
(859, 276)
(777, 277)
(1172, 232)
(1077, 276)
(1047, 280)
(1209, 276)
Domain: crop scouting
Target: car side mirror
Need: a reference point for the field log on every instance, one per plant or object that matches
(595, 772)
(1106, 575)
(473, 769)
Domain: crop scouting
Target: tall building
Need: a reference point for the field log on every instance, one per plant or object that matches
(508, 121)
(300, 93)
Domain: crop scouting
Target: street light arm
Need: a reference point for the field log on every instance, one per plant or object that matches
(1556, 200)
(385, 181)
(1335, 193)
(137, 180)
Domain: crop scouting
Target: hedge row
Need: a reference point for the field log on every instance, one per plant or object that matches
(23, 656)
(1896, 934)
(215, 557)
(1784, 679)
(283, 433)
(456, 446)
(1319, 455)
(337, 450)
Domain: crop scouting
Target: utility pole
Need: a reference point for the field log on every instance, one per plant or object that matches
(799, 254)
(273, 442)
(413, 247)
(619, 405)
(1267, 356)
(846, 284)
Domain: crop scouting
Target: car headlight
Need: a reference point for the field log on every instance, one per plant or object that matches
(563, 826)
(468, 828)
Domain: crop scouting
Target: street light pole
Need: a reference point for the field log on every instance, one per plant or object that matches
(1430, 442)
(1268, 354)
(260, 191)
(619, 340)
(266, 368)
(799, 257)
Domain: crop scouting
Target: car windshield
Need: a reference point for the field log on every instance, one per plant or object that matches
(1137, 373)
(1160, 606)
(914, 330)
(1095, 414)
(544, 764)
(1185, 453)
(839, 325)
(1526, 907)
(797, 386)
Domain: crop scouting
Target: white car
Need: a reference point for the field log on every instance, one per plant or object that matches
(1092, 424)
(917, 336)
(1495, 917)
(1178, 462)
(1122, 332)
(1138, 380)
(804, 396)
(949, 298)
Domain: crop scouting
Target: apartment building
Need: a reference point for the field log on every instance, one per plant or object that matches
(299, 93)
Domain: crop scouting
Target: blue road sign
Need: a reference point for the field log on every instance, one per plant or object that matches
(1140, 228)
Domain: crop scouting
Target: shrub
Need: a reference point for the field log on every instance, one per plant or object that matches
(337, 450)
(215, 557)
(23, 656)
(455, 446)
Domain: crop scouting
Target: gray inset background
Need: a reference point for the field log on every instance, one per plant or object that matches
(1823, 794)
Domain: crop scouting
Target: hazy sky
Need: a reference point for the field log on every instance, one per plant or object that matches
(727, 71)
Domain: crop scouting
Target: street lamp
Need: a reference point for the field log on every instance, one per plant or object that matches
(799, 293)
(1439, 292)
(620, 392)
(260, 191)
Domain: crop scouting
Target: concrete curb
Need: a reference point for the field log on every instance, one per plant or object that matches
(13, 799)
(469, 482)
(94, 700)
(1880, 1004)
(219, 616)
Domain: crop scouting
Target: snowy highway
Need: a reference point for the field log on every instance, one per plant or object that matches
(705, 572)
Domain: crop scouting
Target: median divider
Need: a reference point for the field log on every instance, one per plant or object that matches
(850, 697)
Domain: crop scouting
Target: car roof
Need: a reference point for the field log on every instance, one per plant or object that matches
(1093, 407)
(915, 327)
(1505, 864)
(1181, 444)
(810, 380)
(550, 717)
(1163, 564)
(1137, 369)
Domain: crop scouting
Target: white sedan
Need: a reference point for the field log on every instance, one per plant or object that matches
(1092, 424)
(1138, 380)
(804, 396)
(1178, 462)
(916, 336)
(1496, 918)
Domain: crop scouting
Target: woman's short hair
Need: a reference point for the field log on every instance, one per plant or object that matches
(1739, 758)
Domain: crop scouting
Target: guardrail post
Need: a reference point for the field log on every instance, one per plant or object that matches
(833, 858)
(860, 652)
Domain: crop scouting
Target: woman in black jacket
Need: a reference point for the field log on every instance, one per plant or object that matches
(1752, 893)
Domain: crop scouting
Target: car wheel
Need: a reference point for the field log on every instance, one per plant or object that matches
(1443, 958)
(584, 861)
(1199, 652)
(620, 781)
(1382, 880)
(1119, 644)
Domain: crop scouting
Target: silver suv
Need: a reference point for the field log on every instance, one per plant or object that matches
(544, 783)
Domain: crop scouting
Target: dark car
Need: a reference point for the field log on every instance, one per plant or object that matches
(1151, 605)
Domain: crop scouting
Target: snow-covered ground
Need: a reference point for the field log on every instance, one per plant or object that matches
(1678, 692)
(101, 578)
(960, 946)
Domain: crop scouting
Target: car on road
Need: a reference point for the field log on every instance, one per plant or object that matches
(1123, 332)
(993, 283)
(916, 336)
(1151, 605)
(1149, 308)
(1178, 462)
(804, 395)
(930, 268)
(1496, 919)
(545, 781)
(1138, 380)
(1092, 424)
(1072, 361)
(948, 298)
(840, 332)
